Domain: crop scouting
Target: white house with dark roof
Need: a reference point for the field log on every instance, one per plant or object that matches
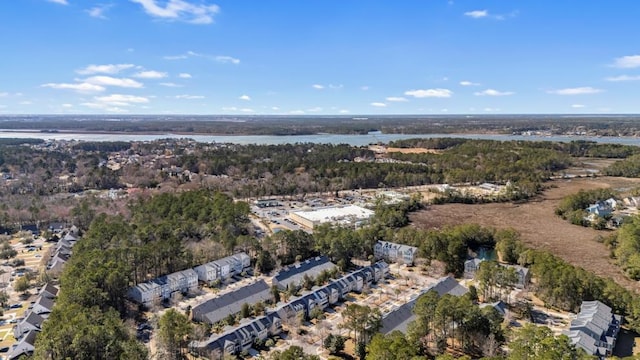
(397, 253)
(595, 329)
(43, 306)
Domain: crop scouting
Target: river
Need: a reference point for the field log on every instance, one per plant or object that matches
(351, 139)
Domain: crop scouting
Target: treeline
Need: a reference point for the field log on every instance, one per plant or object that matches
(262, 170)
(573, 208)
(477, 161)
(20, 141)
(625, 246)
(629, 167)
(578, 148)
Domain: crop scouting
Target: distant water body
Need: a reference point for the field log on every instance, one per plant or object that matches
(355, 140)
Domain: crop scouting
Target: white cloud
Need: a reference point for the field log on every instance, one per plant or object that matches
(189, 97)
(627, 62)
(111, 81)
(378, 104)
(396, 99)
(436, 93)
(4, 94)
(344, 111)
(335, 87)
(468, 83)
(246, 110)
(624, 78)
(61, 2)
(185, 76)
(224, 59)
(275, 108)
(170, 84)
(67, 106)
(479, 14)
(476, 14)
(231, 108)
(317, 86)
(575, 91)
(245, 97)
(98, 11)
(80, 87)
(104, 69)
(296, 112)
(121, 100)
(488, 109)
(151, 74)
(315, 109)
(577, 106)
(492, 92)
(227, 59)
(26, 102)
(364, 88)
(180, 10)
(444, 110)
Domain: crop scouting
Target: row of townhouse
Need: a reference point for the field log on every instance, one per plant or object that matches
(595, 329)
(61, 254)
(164, 287)
(243, 337)
(395, 253)
(223, 269)
(26, 330)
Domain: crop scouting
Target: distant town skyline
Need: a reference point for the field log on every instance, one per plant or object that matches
(312, 57)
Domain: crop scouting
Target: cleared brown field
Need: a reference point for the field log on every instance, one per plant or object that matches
(539, 227)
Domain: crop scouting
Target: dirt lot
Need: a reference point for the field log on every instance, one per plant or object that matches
(539, 226)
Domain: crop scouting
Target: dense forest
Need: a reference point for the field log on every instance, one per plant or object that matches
(306, 125)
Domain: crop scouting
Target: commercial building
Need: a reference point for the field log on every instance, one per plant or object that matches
(349, 215)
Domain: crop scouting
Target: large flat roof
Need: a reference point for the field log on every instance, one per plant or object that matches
(346, 213)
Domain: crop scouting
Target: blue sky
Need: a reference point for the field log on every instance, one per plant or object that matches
(318, 57)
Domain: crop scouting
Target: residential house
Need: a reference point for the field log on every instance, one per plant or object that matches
(43, 306)
(26, 346)
(294, 275)
(33, 321)
(500, 307)
(524, 275)
(218, 308)
(600, 208)
(56, 227)
(595, 329)
(145, 293)
(392, 252)
(49, 291)
(470, 267)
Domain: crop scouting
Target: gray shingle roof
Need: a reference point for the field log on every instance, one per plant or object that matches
(220, 307)
(294, 274)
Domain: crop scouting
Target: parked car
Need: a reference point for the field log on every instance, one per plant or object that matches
(15, 306)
